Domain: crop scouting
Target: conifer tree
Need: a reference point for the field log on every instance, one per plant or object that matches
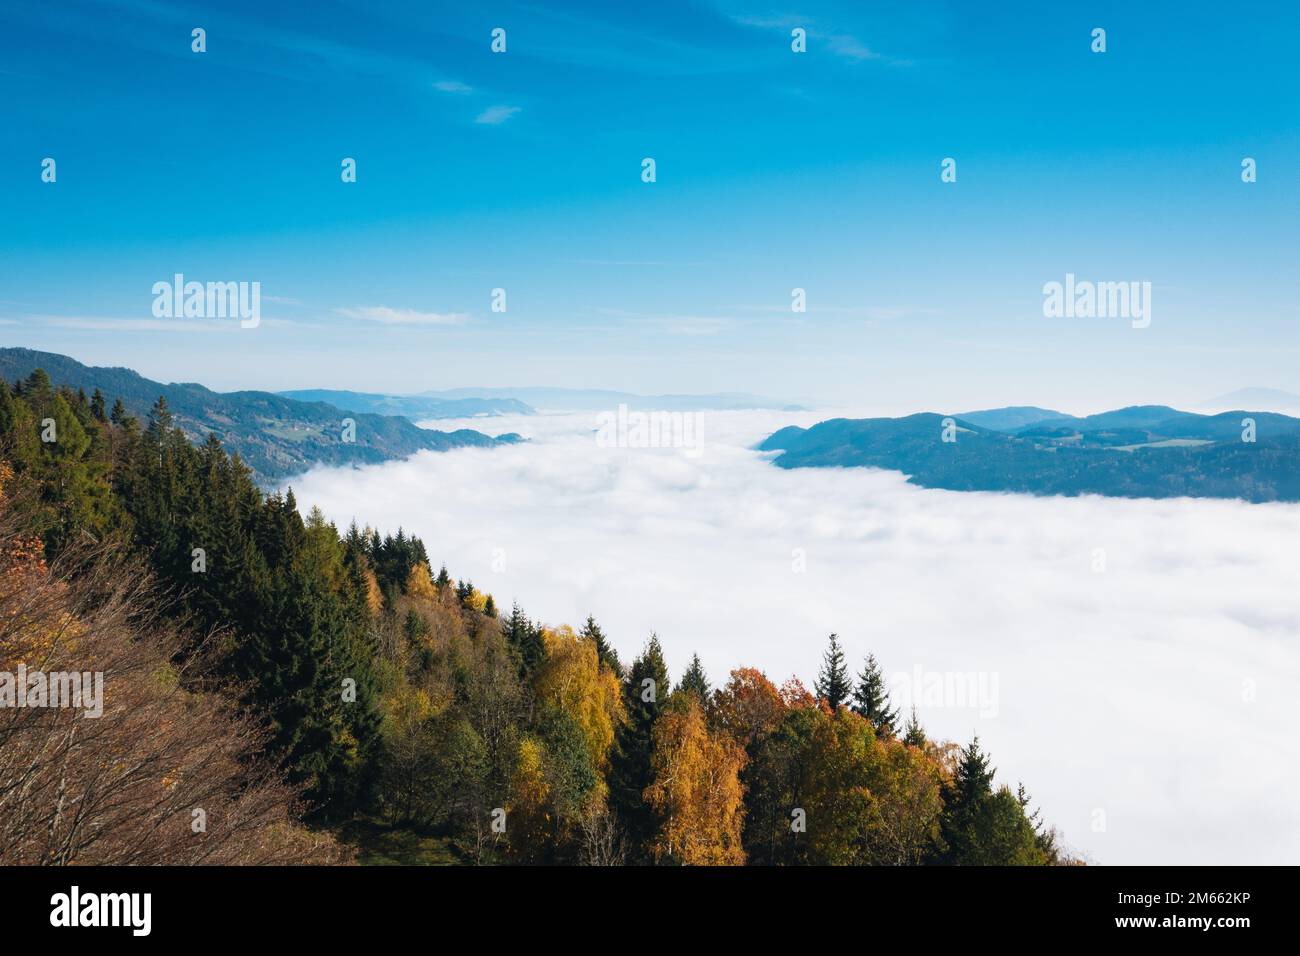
(871, 700)
(913, 734)
(604, 650)
(524, 638)
(695, 682)
(832, 683)
(8, 414)
(645, 690)
(965, 799)
(122, 418)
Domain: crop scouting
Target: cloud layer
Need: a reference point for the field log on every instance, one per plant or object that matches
(1148, 707)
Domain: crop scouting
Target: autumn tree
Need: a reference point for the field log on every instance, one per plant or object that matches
(572, 680)
(749, 706)
(696, 789)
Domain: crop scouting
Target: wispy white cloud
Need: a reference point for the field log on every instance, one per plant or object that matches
(389, 316)
(99, 323)
(841, 44)
(496, 115)
(850, 47)
(675, 323)
(453, 86)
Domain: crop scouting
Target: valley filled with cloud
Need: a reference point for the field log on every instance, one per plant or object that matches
(1133, 662)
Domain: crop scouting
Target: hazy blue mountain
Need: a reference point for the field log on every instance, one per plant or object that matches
(1118, 454)
(1009, 419)
(414, 407)
(1134, 416)
(597, 399)
(1273, 399)
(275, 436)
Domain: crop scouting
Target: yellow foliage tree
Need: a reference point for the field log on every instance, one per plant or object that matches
(572, 679)
(696, 790)
(868, 802)
(419, 583)
(528, 822)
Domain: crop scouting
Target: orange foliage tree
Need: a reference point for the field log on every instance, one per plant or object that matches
(696, 790)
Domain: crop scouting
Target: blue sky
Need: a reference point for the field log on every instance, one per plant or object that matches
(775, 170)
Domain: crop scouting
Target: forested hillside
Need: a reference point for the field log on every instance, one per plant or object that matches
(274, 435)
(339, 681)
(1141, 452)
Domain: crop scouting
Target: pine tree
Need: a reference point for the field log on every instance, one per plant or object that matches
(974, 778)
(443, 579)
(694, 681)
(965, 799)
(160, 418)
(913, 734)
(645, 690)
(833, 680)
(604, 650)
(1044, 836)
(525, 639)
(872, 701)
(97, 406)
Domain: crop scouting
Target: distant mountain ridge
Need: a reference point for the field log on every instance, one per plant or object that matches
(1272, 399)
(1149, 451)
(275, 436)
(1015, 416)
(599, 399)
(414, 407)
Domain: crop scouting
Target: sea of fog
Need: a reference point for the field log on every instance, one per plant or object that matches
(1135, 663)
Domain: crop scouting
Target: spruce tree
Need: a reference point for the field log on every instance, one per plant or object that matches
(695, 681)
(833, 680)
(872, 701)
(604, 650)
(965, 806)
(913, 734)
(645, 691)
(525, 639)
